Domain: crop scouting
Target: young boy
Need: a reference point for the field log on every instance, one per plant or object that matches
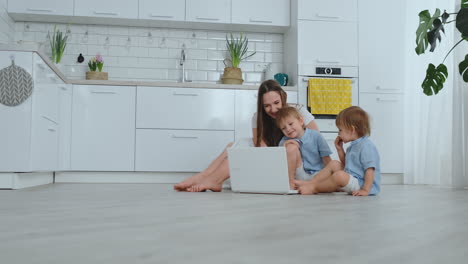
(358, 173)
(307, 150)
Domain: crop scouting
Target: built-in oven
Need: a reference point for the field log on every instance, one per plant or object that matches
(337, 88)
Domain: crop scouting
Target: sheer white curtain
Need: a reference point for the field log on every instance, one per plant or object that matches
(433, 125)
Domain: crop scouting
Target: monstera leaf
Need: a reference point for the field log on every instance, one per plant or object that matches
(463, 68)
(464, 4)
(435, 78)
(462, 21)
(425, 25)
(434, 34)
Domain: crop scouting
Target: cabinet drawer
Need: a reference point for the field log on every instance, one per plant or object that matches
(336, 44)
(209, 11)
(178, 150)
(107, 8)
(278, 15)
(185, 108)
(333, 10)
(43, 7)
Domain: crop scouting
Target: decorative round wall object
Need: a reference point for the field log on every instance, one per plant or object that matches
(16, 85)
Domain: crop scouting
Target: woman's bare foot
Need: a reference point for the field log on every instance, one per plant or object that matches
(184, 185)
(206, 184)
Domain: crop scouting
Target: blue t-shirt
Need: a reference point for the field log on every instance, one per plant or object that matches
(361, 155)
(313, 148)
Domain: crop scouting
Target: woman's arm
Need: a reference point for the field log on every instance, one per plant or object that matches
(254, 133)
(326, 160)
(313, 125)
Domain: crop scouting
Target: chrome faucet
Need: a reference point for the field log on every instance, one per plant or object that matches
(182, 63)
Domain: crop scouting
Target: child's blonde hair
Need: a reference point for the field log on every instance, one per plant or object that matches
(285, 112)
(354, 117)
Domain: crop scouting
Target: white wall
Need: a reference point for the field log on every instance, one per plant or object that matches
(138, 53)
(7, 25)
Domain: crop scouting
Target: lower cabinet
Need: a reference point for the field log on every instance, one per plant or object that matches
(386, 115)
(178, 150)
(103, 128)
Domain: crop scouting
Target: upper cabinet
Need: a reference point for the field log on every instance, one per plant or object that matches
(332, 10)
(44, 7)
(212, 11)
(162, 10)
(277, 14)
(106, 8)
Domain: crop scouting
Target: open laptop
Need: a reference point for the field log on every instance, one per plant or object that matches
(259, 170)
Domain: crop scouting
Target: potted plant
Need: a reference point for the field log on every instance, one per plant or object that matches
(58, 43)
(95, 65)
(428, 32)
(237, 49)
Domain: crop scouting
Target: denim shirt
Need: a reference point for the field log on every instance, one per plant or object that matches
(313, 148)
(361, 155)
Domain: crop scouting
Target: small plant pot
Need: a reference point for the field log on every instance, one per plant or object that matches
(232, 76)
(93, 75)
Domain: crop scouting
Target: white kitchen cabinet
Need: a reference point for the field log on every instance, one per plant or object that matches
(178, 150)
(162, 10)
(185, 108)
(381, 62)
(64, 119)
(212, 11)
(278, 12)
(30, 138)
(327, 43)
(106, 8)
(43, 7)
(246, 106)
(386, 113)
(103, 128)
(331, 10)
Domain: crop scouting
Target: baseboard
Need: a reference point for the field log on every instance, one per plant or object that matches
(120, 177)
(16, 180)
(392, 178)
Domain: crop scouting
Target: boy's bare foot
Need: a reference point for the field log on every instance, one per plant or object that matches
(300, 183)
(307, 189)
(206, 185)
(184, 185)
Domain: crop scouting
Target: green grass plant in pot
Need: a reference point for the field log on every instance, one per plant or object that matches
(58, 43)
(238, 51)
(429, 32)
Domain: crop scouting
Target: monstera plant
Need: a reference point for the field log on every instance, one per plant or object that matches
(429, 32)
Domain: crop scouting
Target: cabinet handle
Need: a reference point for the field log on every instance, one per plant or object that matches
(160, 16)
(64, 88)
(103, 92)
(52, 129)
(386, 100)
(325, 61)
(387, 89)
(207, 18)
(106, 13)
(41, 10)
(41, 65)
(327, 16)
(50, 119)
(261, 21)
(189, 137)
(184, 94)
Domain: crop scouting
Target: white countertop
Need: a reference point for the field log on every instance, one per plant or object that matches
(36, 49)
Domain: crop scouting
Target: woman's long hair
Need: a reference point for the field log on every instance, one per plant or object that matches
(266, 126)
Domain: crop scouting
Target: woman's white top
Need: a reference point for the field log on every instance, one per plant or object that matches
(308, 117)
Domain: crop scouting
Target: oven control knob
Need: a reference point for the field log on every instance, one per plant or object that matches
(328, 70)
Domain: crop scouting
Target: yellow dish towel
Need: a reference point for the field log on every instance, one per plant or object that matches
(328, 96)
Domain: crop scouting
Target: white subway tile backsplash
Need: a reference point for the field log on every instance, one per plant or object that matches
(154, 53)
(207, 65)
(158, 52)
(207, 44)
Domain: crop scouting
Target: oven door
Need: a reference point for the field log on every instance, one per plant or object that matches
(326, 123)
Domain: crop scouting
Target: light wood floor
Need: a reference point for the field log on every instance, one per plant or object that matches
(150, 223)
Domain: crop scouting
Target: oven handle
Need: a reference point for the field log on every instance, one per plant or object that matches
(307, 79)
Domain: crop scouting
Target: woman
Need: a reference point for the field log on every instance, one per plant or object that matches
(271, 97)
